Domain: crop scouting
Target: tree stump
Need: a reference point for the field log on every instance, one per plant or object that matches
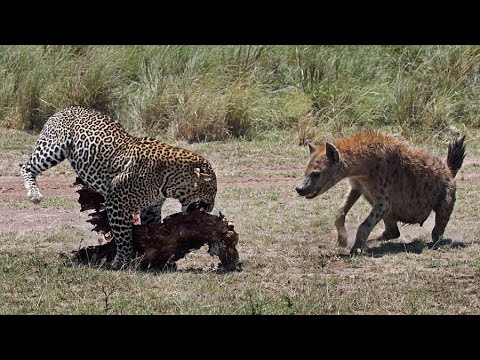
(159, 246)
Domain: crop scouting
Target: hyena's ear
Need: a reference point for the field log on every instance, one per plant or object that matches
(332, 152)
(203, 176)
(312, 148)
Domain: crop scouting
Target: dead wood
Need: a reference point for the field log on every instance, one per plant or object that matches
(160, 246)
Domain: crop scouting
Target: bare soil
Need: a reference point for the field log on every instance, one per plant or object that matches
(25, 220)
(287, 259)
(37, 219)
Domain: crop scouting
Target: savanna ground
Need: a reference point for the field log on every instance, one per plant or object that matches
(291, 264)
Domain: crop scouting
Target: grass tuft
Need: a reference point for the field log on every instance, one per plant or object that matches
(210, 93)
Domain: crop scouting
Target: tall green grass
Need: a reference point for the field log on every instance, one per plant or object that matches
(198, 93)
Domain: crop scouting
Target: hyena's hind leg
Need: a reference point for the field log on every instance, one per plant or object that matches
(45, 155)
(442, 217)
(391, 229)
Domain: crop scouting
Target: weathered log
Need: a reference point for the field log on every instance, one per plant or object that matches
(159, 246)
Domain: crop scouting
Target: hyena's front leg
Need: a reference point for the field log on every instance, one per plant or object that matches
(348, 202)
(379, 209)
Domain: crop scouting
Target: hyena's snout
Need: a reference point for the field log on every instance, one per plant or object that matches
(302, 188)
(308, 189)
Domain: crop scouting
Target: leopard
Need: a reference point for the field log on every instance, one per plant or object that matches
(134, 174)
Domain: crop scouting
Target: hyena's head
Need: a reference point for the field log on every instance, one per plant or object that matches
(323, 171)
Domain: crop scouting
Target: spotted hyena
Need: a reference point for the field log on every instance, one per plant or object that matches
(401, 182)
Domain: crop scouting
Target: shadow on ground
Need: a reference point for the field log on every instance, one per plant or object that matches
(417, 246)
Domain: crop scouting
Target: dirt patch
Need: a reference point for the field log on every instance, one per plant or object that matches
(40, 220)
(11, 187)
(11, 190)
(257, 182)
(37, 218)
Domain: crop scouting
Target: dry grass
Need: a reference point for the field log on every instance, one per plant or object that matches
(220, 92)
(287, 244)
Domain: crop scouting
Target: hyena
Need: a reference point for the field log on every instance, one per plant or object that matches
(401, 182)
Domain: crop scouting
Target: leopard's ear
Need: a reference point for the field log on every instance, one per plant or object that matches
(203, 176)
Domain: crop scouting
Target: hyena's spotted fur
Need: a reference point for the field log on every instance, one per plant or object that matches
(401, 182)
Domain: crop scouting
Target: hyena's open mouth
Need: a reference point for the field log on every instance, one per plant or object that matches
(312, 195)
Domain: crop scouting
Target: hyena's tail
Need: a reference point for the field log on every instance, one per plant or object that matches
(456, 154)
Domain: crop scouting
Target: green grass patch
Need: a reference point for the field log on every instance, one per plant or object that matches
(49, 202)
(197, 93)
